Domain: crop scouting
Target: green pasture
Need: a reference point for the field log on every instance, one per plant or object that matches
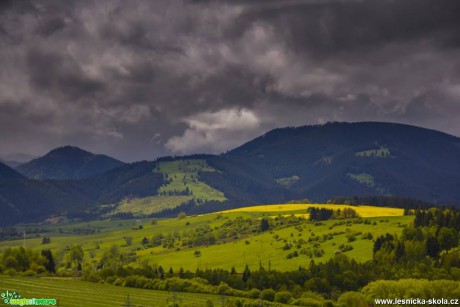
(75, 293)
(266, 249)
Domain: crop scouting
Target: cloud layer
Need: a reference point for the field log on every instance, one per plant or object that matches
(140, 79)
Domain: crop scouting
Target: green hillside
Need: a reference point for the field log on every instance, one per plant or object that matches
(182, 184)
(224, 239)
(183, 178)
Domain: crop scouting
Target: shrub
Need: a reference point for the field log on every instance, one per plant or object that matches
(268, 295)
(352, 299)
(253, 293)
(351, 238)
(283, 297)
(30, 273)
(307, 301)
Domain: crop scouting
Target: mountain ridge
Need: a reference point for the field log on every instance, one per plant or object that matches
(346, 150)
(68, 162)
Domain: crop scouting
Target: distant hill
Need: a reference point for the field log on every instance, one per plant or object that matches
(368, 158)
(68, 163)
(7, 173)
(16, 159)
(26, 200)
(10, 163)
(22, 199)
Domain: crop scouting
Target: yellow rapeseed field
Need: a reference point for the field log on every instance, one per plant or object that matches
(364, 211)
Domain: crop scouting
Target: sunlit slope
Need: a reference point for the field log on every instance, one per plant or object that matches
(267, 249)
(363, 211)
(183, 179)
(182, 184)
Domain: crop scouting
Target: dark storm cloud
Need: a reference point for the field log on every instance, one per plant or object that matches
(53, 73)
(138, 79)
(331, 27)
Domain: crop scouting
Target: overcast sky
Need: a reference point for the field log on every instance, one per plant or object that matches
(141, 79)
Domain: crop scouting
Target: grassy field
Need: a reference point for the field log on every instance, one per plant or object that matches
(383, 152)
(363, 178)
(152, 204)
(267, 248)
(75, 293)
(184, 176)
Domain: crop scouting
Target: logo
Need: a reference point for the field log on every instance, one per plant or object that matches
(14, 299)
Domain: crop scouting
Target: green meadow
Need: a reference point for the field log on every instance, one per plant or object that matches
(183, 176)
(283, 248)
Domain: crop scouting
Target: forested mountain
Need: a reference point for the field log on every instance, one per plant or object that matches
(7, 173)
(318, 163)
(68, 162)
(25, 200)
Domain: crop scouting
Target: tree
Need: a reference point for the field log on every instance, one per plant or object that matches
(447, 238)
(161, 272)
(46, 240)
(129, 241)
(264, 225)
(157, 239)
(76, 253)
(432, 247)
(181, 215)
(246, 273)
(50, 266)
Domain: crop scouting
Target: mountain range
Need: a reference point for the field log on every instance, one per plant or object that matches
(311, 162)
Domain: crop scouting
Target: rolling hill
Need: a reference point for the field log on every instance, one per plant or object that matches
(68, 163)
